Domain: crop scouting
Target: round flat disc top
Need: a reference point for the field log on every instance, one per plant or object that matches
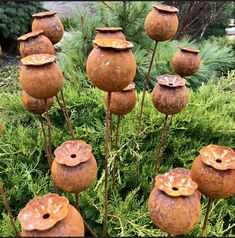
(113, 43)
(165, 8)
(106, 28)
(189, 49)
(130, 87)
(218, 157)
(171, 80)
(44, 14)
(38, 59)
(30, 35)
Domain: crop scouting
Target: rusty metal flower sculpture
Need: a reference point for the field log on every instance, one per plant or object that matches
(174, 203)
(50, 215)
(110, 32)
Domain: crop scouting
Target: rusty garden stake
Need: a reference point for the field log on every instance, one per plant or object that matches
(209, 205)
(111, 129)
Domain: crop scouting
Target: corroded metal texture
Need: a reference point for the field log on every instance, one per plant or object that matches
(176, 213)
(35, 43)
(110, 32)
(187, 61)
(111, 66)
(34, 105)
(122, 102)
(51, 25)
(40, 77)
(169, 99)
(162, 22)
(213, 171)
(74, 168)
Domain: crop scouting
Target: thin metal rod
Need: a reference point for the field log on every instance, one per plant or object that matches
(105, 225)
(111, 130)
(8, 209)
(209, 205)
(145, 88)
(115, 157)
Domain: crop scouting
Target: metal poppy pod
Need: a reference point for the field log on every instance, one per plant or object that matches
(187, 61)
(170, 95)
(214, 171)
(122, 102)
(74, 168)
(162, 22)
(110, 32)
(40, 76)
(50, 215)
(51, 25)
(35, 43)
(111, 65)
(174, 203)
(34, 105)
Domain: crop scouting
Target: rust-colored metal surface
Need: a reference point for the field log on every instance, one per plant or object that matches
(74, 168)
(110, 32)
(51, 25)
(35, 43)
(50, 215)
(175, 214)
(162, 22)
(169, 98)
(40, 77)
(213, 170)
(186, 61)
(0, 127)
(111, 66)
(122, 102)
(36, 106)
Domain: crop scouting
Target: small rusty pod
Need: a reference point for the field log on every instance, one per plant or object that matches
(51, 25)
(214, 171)
(34, 105)
(35, 43)
(111, 65)
(110, 32)
(174, 203)
(162, 22)
(74, 168)
(170, 95)
(187, 61)
(40, 76)
(50, 215)
(122, 102)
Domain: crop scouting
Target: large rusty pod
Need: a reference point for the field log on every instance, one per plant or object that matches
(122, 102)
(51, 25)
(162, 22)
(170, 95)
(110, 32)
(40, 76)
(174, 203)
(186, 61)
(35, 43)
(50, 215)
(214, 171)
(111, 65)
(34, 105)
(74, 168)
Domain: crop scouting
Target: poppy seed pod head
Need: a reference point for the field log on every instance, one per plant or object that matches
(174, 203)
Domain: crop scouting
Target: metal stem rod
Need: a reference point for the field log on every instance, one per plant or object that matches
(209, 205)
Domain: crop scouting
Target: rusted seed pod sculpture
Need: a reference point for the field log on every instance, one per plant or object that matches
(50, 215)
(35, 43)
(40, 76)
(174, 203)
(214, 172)
(51, 25)
(186, 62)
(110, 32)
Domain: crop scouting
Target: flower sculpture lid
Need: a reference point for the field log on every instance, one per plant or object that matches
(38, 59)
(172, 81)
(165, 8)
(177, 182)
(30, 35)
(42, 213)
(107, 28)
(218, 157)
(73, 153)
(189, 49)
(44, 14)
(130, 87)
(116, 44)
